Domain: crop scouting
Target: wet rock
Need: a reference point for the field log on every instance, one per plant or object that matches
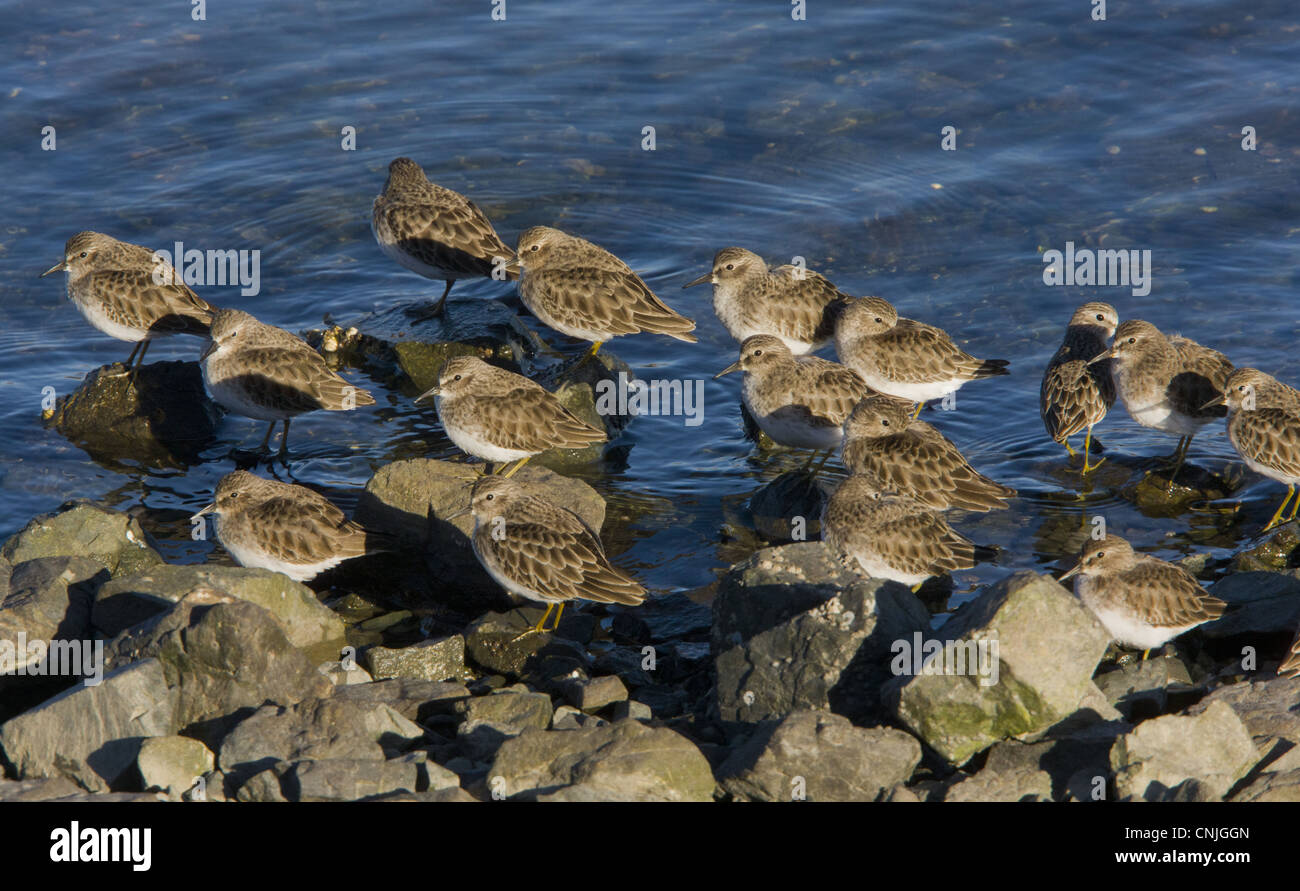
(1258, 602)
(792, 629)
(430, 660)
(1038, 683)
(128, 600)
(220, 661)
(91, 735)
(1145, 688)
(625, 761)
(344, 674)
(821, 757)
(1154, 496)
(47, 599)
(172, 764)
(161, 418)
(412, 498)
(590, 389)
(790, 507)
(595, 693)
(496, 642)
(491, 720)
(1211, 747)
(343, 779)
(85, 530)
(1270, 555)
(664, 617)
(413, 699)
(316, 729)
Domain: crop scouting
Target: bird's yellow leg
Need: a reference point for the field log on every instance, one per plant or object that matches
(917, 413)
(1066, 443)
(595, 348)
(1145, 653)
(917, 586)
(1087, 448)
(541, 623)
(1290, 490)
(1295, 505)
(559, 612)
(520, 463)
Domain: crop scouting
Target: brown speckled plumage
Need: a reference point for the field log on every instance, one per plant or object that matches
(1075, 395)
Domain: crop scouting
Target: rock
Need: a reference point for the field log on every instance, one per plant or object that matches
(594, 694)
(627, 761)
(415, 700)
(1038, 682)
(220, 661)
(42, 789)
(1211, 747)
(821, 757)
(1284, 786)
(172, 764)
(664, 617)
(263, 785)
(48, 599)
(316, 729)
(411, 499)
(342, 779)
(638, 711)
(490, 720)
(1013, 772)
(431, 795)
(85, 530)
(91, 735)
(590, 390)
(1270, 709)
(1145, 688)
(566, 717)
(128, 600)
(344, 675)
(792, 629)
(430, 660)
(1258, 602)
(1270, 555)
(162, 418)
(790, 507)
(496, 642)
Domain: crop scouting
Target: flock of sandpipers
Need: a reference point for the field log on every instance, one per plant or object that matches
(885, 520)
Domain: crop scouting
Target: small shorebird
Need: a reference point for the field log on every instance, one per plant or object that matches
(1264, 428)
(268, 374)
(582, 290)
(124, 292)
(892, 536)
(788, 302)
(1165, 383)
(902, 357)
(285, 528)
(500, 416)
(434, 231)
(1290, 666)
(1142, 601)
(540, 551)
(882, 439)
(799, 401)
(1076, 395)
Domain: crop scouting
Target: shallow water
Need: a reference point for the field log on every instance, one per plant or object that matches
(819, 139)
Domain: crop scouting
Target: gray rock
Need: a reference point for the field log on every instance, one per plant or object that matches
(342, 779)
(566, 717)
(448, 794)
(626, 760)
(85, 530)
(594, 694)
(42, 789)
(490, 720)
(48, 599)
(1038, 683)
(1282, 786)
(1258, 602)
(263, 785)
(162, 417)
(631, 709)
(792, 629)
(344, 676)
(790, 505)
(430, 660)
(1270, 709)
(1211, 746)
(315, 730)
(220, 659)
(821, 757)
(413, 699)
(128, 600)
(497, 643)
(1013, 772)
(171, 764)
(411, 499)
(1146, 685)
(91, 735)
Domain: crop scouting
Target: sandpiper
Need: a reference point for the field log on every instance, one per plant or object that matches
(500, 416)
(892, 536)
(582, 290)
(882, 439)
(435, 231)
(902, 357)
(266, 373)
(1290, 666)
(124, 292)
(267, 524)
(1075, 395)
(799, 401)
(541, 551)
(1141, 600)
(1165, 383)
(788, 302)
(1264, 428)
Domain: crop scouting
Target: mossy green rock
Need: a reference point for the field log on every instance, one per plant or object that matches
(86, 530)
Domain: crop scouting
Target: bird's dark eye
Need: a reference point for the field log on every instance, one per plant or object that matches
(535, 248)
(456, 378)
(1101, 554)
(1132, 340)
(884, 423)
(1100, 317)
(879, 320)
(731, 265)
(234, 495)
(490, 496)
(758, 352)
(83, 253)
